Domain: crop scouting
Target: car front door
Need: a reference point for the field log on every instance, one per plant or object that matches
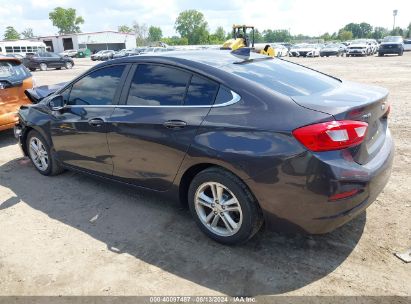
(79, 131)
(56, 61)
(151, 131)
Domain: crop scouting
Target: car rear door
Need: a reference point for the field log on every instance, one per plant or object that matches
(79, 131)
(151, 131)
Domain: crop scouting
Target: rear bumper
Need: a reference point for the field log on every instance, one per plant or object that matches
(299, 198)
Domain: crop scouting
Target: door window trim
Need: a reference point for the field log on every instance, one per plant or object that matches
(117, 94)
(127, 87)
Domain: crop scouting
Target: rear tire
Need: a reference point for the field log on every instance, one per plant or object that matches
(211, 194)
(41, 156)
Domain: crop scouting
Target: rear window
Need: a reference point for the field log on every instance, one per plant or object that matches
(284, 77)
(13, 71)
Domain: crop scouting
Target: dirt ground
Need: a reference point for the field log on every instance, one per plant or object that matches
(52, 244)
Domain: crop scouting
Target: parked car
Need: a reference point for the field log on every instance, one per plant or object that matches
(359, 47)
(69, 53)
(333, 49)
(407, 45)
(280, 50)
(373, 44)
(96, 56)
(391, 45)
(106, 55)
(45, 60)
(265, 141)
(14, 79)
(125, 53)
(305, 50)
(154, 50)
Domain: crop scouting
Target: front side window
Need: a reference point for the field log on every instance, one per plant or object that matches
(156, 85)
(97, 88)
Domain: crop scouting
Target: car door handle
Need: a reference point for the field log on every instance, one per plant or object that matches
(96, 122)
(175, 124)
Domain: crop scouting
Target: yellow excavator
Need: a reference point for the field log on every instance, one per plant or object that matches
(241, 38)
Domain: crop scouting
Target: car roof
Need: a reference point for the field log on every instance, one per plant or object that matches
(214, 58)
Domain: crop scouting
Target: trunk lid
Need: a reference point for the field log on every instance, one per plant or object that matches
(351, 101)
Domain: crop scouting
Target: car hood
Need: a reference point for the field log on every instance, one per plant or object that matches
(394, 42)
(37, 94)
(358, 45)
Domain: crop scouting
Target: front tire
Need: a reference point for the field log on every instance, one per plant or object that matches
(41, 156)
(223, 207)
(68, 65)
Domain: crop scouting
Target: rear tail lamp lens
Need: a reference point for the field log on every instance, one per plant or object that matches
(332, 135)
(343, 195)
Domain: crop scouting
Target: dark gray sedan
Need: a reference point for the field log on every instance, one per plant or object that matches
(241, 142)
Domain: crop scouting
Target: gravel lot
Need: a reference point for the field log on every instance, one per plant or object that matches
(141, 244)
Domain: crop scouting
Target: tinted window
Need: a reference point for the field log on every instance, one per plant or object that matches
(155, 85)
(200, 92)
(224, 95)
(13, 71)
(284, 77)
(97, 88)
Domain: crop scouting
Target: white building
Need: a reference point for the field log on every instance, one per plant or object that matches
(106, 40)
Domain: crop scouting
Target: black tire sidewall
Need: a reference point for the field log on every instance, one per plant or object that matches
(246, 201)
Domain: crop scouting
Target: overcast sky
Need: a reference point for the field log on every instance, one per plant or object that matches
(312, 17)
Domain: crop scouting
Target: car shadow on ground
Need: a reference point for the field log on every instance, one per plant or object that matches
(160, 233)
(7, 138)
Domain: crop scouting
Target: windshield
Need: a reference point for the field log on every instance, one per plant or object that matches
(284, 77)
(13, 71)
(392, 39)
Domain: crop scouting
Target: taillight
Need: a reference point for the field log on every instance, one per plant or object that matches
(331, 135)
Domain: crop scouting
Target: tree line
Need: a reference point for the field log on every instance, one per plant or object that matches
(192, 28)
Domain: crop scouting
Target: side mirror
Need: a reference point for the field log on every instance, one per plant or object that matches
(57, 103)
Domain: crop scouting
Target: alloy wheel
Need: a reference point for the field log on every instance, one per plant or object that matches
(218, 209)
(38, 154)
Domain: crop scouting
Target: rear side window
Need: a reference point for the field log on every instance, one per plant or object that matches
(155, 85)
(13, 71)
(201, 92)
(97, 88)
(285, 77)
(224, 95)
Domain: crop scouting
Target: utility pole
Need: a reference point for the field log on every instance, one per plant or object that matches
(394, 13)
